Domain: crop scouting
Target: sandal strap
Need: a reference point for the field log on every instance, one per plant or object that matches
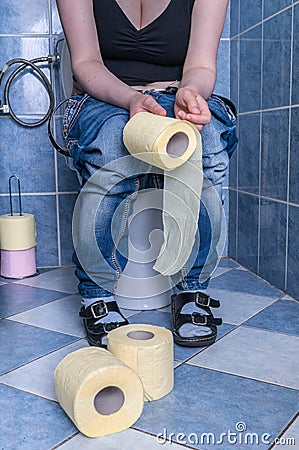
(199, 298)
(198, 319)
(99, 309)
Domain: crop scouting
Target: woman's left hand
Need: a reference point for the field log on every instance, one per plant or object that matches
(191, 106)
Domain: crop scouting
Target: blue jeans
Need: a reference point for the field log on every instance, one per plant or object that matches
(93, 132)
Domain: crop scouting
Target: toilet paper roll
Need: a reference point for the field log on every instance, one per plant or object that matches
(98, 392)
(18, 263)
(162, 141)
(17, 232)
(148, 350)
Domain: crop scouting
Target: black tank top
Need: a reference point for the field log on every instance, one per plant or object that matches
(154, 53)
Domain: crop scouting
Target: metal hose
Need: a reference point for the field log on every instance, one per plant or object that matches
(25, 63)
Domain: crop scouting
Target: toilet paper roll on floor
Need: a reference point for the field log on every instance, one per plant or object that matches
(99, 393)
(17, 232)
(148, 350)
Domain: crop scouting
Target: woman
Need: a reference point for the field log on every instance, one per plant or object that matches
(130, 56)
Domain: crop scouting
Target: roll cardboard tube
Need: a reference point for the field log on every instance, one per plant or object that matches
(162, 141)
(148, 350)
(99, 393)
(17, 232)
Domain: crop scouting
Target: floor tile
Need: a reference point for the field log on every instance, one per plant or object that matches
(236, 307)
(220, 271)
(245, 282)
(24, 343)
(37, 377)
(228, 263)
(205, 401)
(16, 298)
(126, 440)
(30, 422)
(290, 438)
(282, 317)
(62, 279)
(254, 353)
(163, 319)
(61, 315)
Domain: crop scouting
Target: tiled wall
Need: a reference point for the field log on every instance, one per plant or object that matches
(49, 187)
(264, 186)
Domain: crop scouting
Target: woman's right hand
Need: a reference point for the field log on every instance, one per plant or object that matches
(144, 103)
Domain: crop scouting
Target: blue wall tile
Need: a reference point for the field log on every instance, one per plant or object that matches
(295, 76)
(250, 70)
(276, 60)
(222, 83)
(232, 224)
(248, 153)
(248, 207)
(66, 206)
(22, 17)
(234, 71)
(273, 242)
(234, 18)
(294, 158)
(250, 13)
(293, 253)
(56, 25)
(44, 209)
(26, 151)
(271, 7)
(274, 160)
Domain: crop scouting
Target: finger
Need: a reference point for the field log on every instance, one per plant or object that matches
(198, 118)
(152, 106)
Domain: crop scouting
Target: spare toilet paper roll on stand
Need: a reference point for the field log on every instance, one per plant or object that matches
(99, 393)
(148, 350)
(17, 241)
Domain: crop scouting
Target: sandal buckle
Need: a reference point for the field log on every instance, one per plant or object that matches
(99, 309)
(109, 326)
(199, 319)
(198, 299)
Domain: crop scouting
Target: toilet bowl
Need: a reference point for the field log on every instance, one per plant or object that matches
(140, 287)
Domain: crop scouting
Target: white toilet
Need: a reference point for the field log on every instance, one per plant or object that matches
(140, 287)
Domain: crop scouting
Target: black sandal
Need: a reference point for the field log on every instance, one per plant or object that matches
(202, 301)
(91, 314)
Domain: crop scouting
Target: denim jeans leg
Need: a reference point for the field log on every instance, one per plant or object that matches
(111, 180)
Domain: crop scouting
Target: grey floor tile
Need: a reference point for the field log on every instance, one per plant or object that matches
(16, 298)
(61, 315)
(204, 401)
(245, 282)
(236, 307)
(282, 317)
(228, 263)
(31, 422)
(37, 377)
(24, 343)
(126, 440)
(62, 280)
(254, 353)
(289, 439)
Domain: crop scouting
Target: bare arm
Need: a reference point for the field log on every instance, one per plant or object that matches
(87, 64)
(199, 72)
